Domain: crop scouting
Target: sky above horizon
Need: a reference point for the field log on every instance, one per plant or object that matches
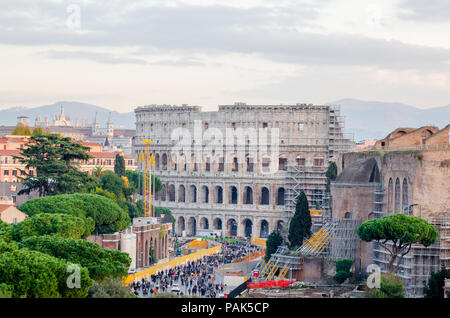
(120, 54)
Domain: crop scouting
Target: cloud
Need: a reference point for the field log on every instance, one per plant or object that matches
(104, 58)
(427, 11)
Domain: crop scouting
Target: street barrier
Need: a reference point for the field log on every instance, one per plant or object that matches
(172, 263)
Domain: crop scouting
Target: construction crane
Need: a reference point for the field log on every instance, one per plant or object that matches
(148, 161)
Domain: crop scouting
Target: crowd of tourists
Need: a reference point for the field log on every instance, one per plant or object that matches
(196, 278)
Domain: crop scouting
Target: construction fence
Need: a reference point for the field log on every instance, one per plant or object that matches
(172, 263)
(270, 284)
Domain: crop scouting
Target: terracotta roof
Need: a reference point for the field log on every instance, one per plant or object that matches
(3, 207)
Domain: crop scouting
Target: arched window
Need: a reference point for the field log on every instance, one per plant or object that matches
(219, 194)
(280, 196)
(398, 206)
(193, 193)
(265, 163)
(264, 232)
(405, 194)
(233, 195)
(163, 193)
(157, 161)
(248, 195)
(205, 194)
(282, 163)
(164, 161)
(264, 196)
(390, 205)
(348, 215)
(172, 193)
(181, 193)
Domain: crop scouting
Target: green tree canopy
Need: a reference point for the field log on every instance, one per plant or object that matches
(331, 174)
(119, 165)
(105, 214)
(5, 232)
(300, 225)
(396, 233)
(273, 242)
(54, 159)
(65, 225)
(101, 263)
(113, 183)
(32, 274)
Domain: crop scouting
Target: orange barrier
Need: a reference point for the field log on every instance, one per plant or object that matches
(270, 284)
(259, 241)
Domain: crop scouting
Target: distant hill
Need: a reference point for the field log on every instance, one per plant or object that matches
(365, 119)
(8, 117)
(374, 120)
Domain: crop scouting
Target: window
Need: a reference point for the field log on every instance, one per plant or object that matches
(6, 173)
(14, 172)
(265, 125)
(300, 126)
(235, 166)
(221, 164)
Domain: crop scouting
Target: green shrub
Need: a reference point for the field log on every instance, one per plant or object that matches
(391, 286)
(343, 270)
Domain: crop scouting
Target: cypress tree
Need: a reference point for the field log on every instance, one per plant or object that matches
(300, 225)
(119, 165)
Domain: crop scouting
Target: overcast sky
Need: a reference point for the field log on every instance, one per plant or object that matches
(121, 54)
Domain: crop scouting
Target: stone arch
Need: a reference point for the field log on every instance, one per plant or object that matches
(248, 195)
(217, 224)
(232, 227)
(183, 165)
(233, 195)
(300, 161)
(193, 194)
(265, 196)
(219, 194)
(250, 163)
(172, 193)
(248, 227)
(280, 196)
(204, 223)
(205, 194)
(192, 226)
(163, 193)
(181, 193)
(405, 194)
(181, 225)
(265, 163)
(173, 162)
(280, 224)
(206, 163)
(264, 229)
(282, 162)
(193, 163)
(234, 163)
(164, 161)
(347, 215)
(397, 196)
(390, 194)
(157, 161)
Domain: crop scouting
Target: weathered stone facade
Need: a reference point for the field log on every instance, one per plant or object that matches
(232, 190)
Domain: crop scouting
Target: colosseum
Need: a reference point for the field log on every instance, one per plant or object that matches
(239, 169)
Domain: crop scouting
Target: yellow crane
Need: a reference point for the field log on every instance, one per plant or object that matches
(148, 160)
